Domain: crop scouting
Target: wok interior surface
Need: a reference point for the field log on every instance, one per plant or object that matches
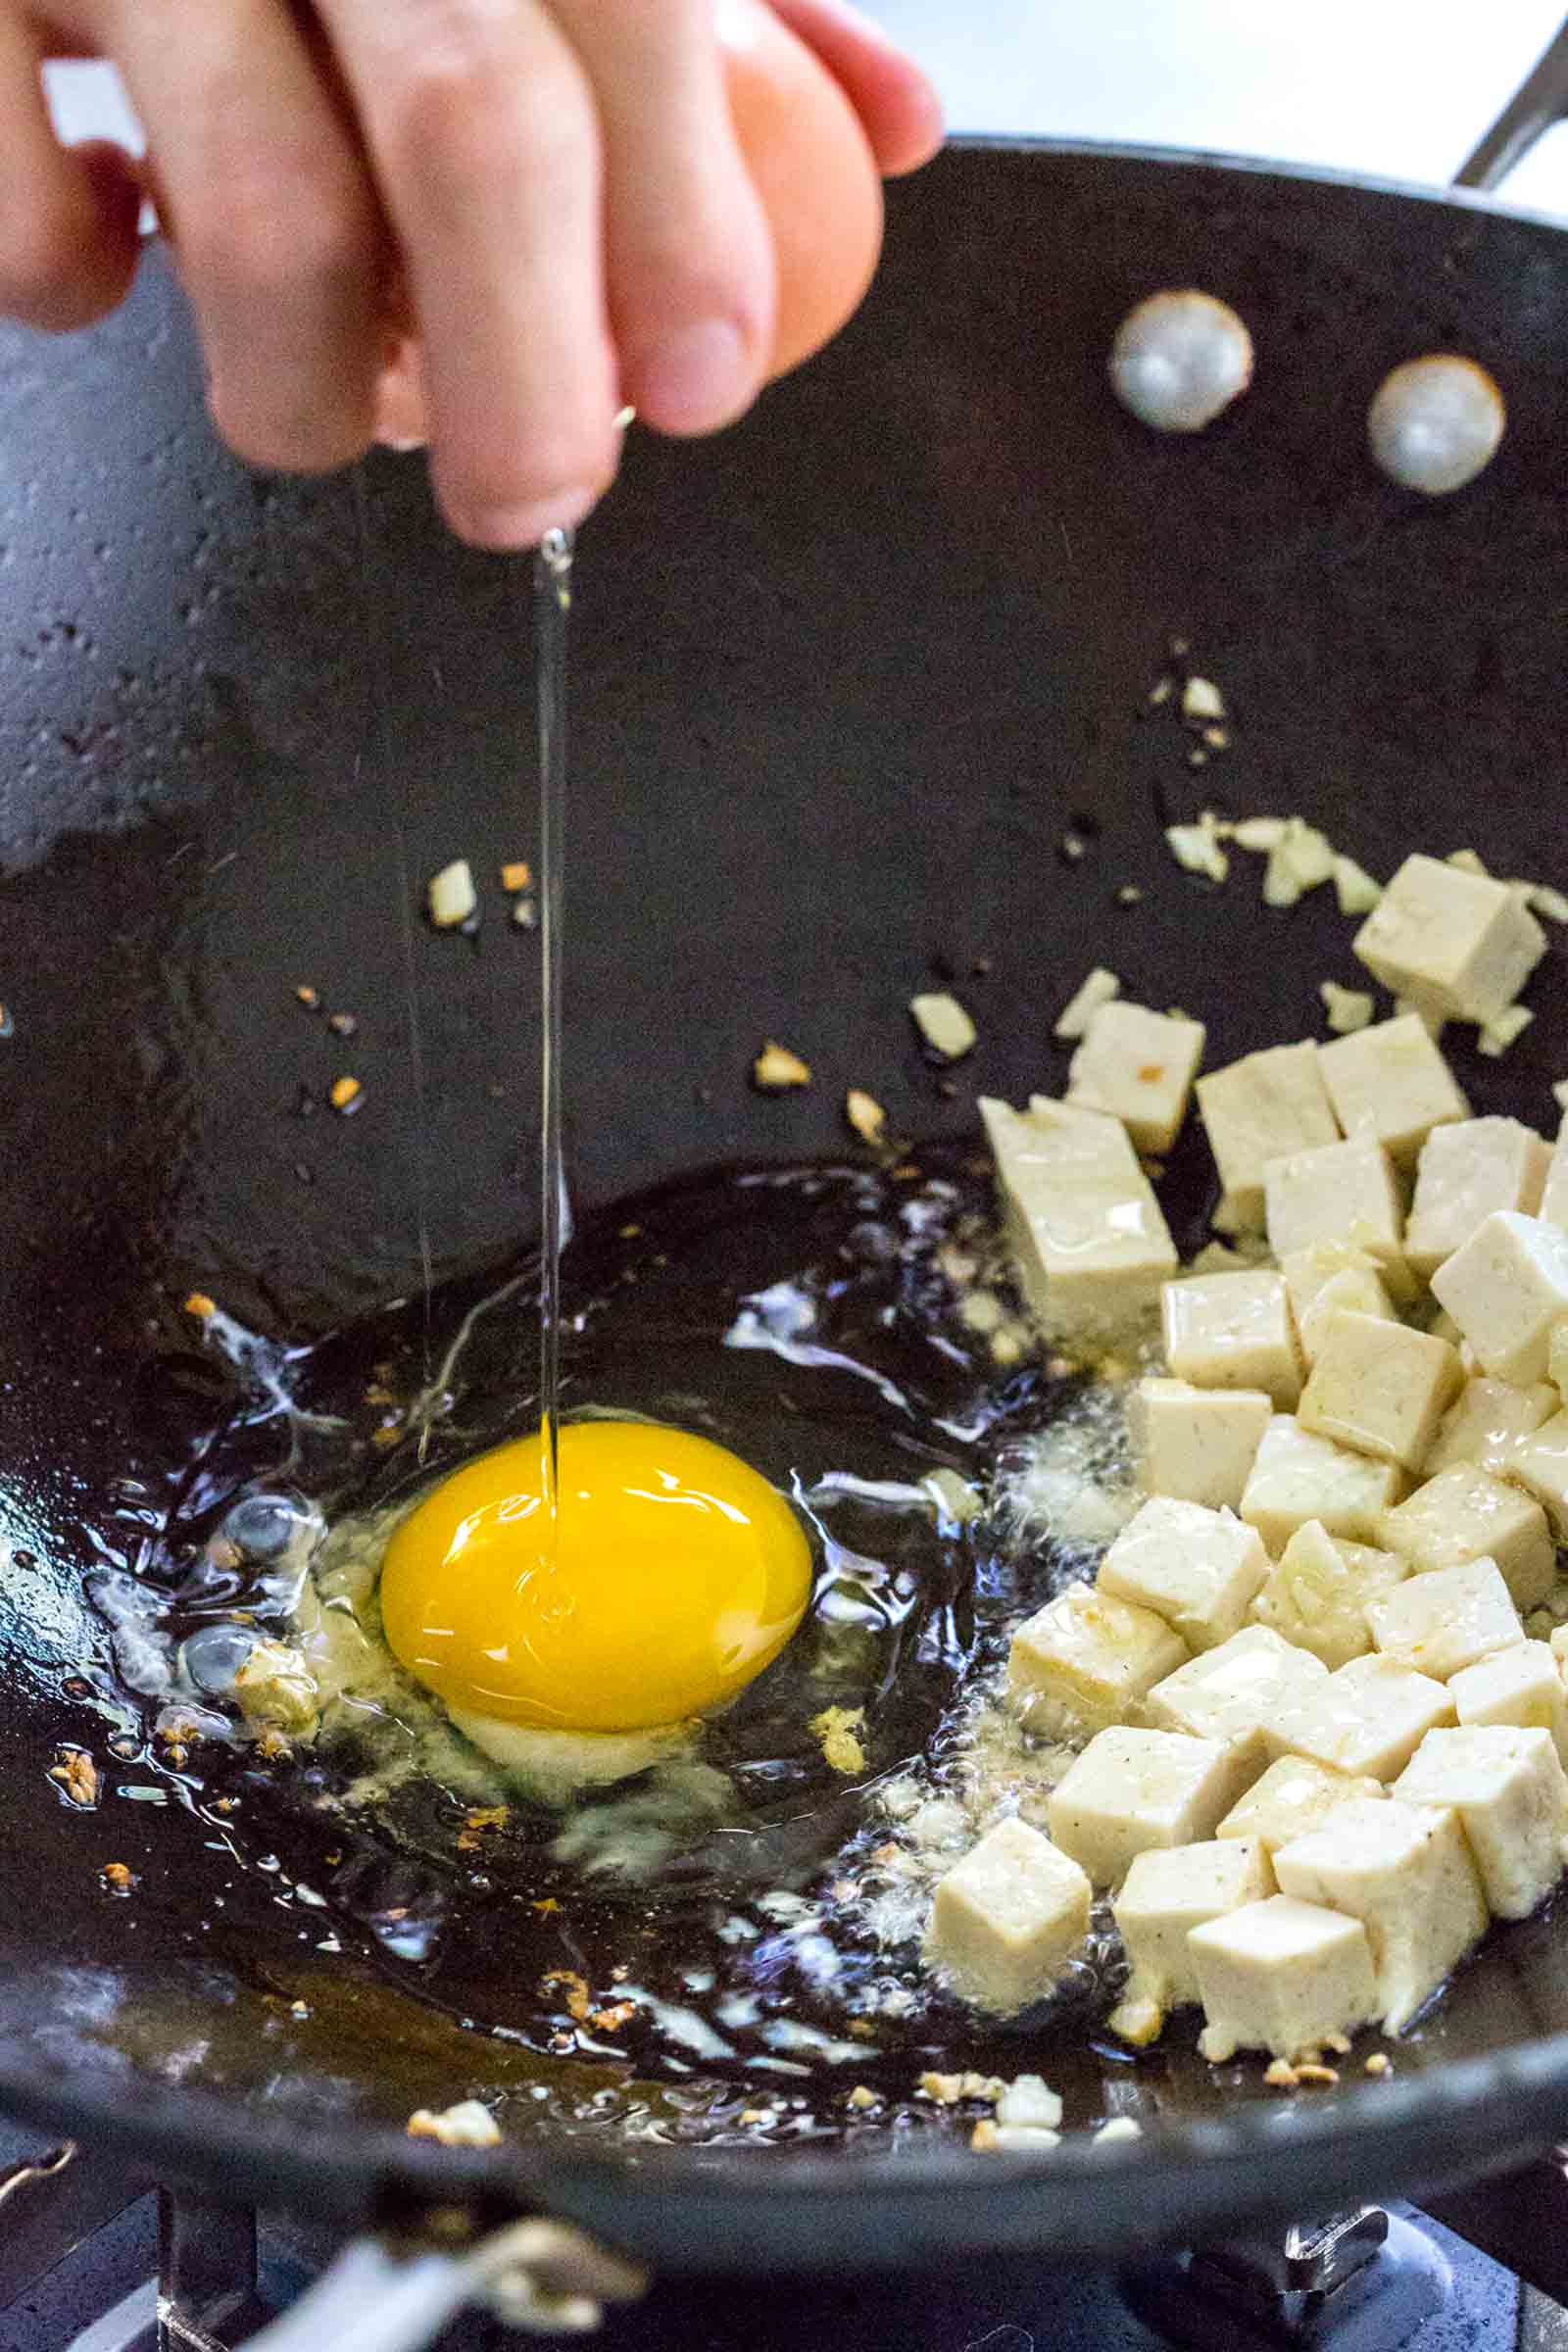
(843, 680)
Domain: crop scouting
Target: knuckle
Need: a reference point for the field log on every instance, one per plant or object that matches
(472, 104)
(264, 232)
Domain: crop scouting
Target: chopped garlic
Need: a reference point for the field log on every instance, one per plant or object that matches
(838, 1730)
(451, 895)
(1264, 833)
(1300, 860)
(776, 1069)
(1081, 1007)
(1496, 1036)
(866, 1116)
(1118, 2126)
(944, 1024)
(1201, 699)
(1347, 1008)
(1028, 2100)
(1466, 860)
(467, 2125)
(1553, 904)
(1355, 888)
(1197, 849)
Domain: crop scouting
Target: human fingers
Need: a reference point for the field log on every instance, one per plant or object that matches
(481, 127)
(272, 217)
(896, 102)
(68, 215)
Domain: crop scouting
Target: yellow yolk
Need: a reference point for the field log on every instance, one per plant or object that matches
(677, 1574)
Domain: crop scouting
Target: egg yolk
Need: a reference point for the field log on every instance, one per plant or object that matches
(676, 1574)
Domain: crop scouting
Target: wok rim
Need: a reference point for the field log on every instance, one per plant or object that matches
(702, 2210)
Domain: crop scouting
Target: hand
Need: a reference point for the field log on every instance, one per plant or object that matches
(548, 198)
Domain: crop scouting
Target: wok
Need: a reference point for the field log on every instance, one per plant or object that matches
(842, 679)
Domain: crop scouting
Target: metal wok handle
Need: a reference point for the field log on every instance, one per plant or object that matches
(537, 2276)
(1539, 104)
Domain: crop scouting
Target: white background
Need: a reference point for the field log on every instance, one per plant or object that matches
(1398, 88)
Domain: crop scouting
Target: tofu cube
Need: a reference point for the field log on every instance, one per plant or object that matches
(1441, 1622)
(1465, 1172)
(1320, 1590)
(1380, 1387)
(1459, 946)
(1341, 1192)
(1521, 1687)
(1330, 1275)
(1484, 1423)
(1090, 1244)
(1086, 1659)
(1300, 1476)
(1008, 1918)
(1507, 1287)
(1554, 1193)
(1467, 1514)
(1281, 1976)
(1232, 1692)
(1508, 1791)
(1198, 1569)
(1138, 1066)
(1293, 1797)
(1170, 1891)
(1267, 1103)
(1369, 1717)
(1404, 1869)
(1132, 1788)
(1196, 1444)
(1234, 1331)
(1390, 1082)
(1539, 1463)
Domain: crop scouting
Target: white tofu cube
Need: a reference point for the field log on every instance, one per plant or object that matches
(1008, 1918)
(1507, 1287)
(1539, 1463)
(1233, 1330)
(1198, 1569)
(1380, 1387)
(1340, 1191)
(1328, 1276)
(1457, 946)
(1230, 1693)
(1404, 1869)
(1521, 1687)
(1390, 1082)
(1195, 1444)
(1084, 1659)
(1293, 1797)
(1437, 1623)
(1133, 1788)
(1467, 1514)
(1369, 1717)
(1255, 1109)
(1466, 1172)
(1168, 1891)
(1483, 1425)
(1138, 1066)
(1300, 1476)
(1320, 1590)
(1508, 1791)
(1091, 1246)
(1281, 1976)
(1554, 1193)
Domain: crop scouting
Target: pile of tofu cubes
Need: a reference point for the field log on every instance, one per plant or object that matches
(1316, 1749)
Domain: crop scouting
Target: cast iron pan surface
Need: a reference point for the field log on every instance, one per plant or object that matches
(843, 680)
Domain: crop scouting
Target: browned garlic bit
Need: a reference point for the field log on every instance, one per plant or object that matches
(516, 875)
(77, 1775)
(1179, 360)
(1434, 423)
(467, 2125)
(346, 1094)
(777, 1069)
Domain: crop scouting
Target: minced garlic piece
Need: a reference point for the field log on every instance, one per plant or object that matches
(200, 1306)
(1263, 833)
(1201, 699)
(276, 1689)
(1347, 1008)
(776, 1069)
(1355, 888)
(1080, 1006)
(451, 895)
(345, 1093)
(944, 1024)
(1198, 849)
(1300, 860)
(1553, 904)
(838, 1730)
(516, 875)
(467, 2125)
(1138, 2021)
(1498, 1035)
(866, 1116)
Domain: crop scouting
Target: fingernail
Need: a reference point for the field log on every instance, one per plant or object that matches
(695, 378)
(504, 528)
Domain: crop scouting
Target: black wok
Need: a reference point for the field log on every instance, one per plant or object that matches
(844, 678)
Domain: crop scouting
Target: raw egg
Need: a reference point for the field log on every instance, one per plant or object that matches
(673, 1575)
(813, 170)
